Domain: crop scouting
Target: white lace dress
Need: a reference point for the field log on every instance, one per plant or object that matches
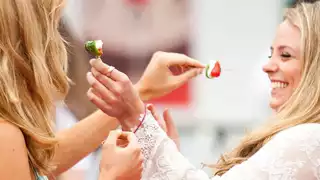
(293, 154)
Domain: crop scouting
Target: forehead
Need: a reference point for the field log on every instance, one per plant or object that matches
(287, 35)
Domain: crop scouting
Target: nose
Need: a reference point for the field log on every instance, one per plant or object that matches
(270, 67)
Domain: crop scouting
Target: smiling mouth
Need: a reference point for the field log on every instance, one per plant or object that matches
(276, 85)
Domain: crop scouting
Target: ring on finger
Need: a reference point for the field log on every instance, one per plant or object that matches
(110, 69)
(102, 143)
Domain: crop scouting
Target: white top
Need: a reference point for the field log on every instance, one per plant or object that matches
(293, 154)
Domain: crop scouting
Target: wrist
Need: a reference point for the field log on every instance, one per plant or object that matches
(107, 175)
(132, 122)
(130, 126)
(144, 93)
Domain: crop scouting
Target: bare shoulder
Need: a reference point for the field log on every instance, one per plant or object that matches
(11, 136)
(8, 129)
(13, 153)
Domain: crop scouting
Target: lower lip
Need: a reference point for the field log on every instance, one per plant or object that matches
(275, 91)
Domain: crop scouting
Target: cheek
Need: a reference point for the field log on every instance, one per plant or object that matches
(292, 73)
(296, 79)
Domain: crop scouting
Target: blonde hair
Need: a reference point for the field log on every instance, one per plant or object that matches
(33, 64)
(304, 104)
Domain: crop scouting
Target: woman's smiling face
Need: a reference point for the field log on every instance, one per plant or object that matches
(285, 64)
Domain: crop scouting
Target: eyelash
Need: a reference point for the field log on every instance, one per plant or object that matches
(284, 55)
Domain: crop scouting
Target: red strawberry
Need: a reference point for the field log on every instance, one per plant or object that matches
(216, 70)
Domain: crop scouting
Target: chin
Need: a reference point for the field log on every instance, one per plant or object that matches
(274, 105)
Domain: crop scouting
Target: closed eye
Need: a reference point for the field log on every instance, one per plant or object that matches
(285, 55)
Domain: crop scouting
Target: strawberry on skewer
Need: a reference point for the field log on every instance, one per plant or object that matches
(213, 70)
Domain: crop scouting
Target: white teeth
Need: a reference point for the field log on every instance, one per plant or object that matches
(278, 85)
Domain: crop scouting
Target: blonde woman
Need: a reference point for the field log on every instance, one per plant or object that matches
(33, 65)
(288, 147)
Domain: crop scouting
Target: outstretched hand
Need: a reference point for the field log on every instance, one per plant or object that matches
(167, 72)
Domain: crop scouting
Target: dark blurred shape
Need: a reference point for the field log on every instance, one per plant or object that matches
(76, 99)
(291, 3)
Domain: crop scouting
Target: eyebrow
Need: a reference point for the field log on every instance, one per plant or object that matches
(282, 47)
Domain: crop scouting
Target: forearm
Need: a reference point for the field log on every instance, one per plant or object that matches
(77, 142)
(83, 138)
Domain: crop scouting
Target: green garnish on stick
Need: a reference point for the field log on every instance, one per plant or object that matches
(94, 48)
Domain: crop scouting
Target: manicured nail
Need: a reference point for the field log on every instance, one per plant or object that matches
(90, 78)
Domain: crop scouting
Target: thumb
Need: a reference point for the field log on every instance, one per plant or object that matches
(186, 76)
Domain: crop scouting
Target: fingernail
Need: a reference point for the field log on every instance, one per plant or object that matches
(88, 74)
(90, 78)
(91, 61)
(90, 96)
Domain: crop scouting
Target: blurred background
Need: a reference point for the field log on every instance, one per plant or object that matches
(211, 114)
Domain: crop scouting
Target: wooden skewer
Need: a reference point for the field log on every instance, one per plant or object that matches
(189, 67)
(227, 70)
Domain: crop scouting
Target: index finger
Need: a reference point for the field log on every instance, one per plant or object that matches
(182, 60)
(104, 69)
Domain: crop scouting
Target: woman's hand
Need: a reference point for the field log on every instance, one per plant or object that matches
(165, 73)
(167, 124)
(121, 157)
(113, 93)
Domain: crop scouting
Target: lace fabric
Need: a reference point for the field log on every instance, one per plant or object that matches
(293, 154)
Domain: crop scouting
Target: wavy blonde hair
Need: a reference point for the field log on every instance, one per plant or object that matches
(304, 104)
(33, 64)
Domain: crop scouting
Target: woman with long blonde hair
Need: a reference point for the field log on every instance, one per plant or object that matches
(287, 147)
(33, 65)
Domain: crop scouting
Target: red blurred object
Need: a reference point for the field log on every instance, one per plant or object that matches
(180, 96)
(216, 70)
(138, 2)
